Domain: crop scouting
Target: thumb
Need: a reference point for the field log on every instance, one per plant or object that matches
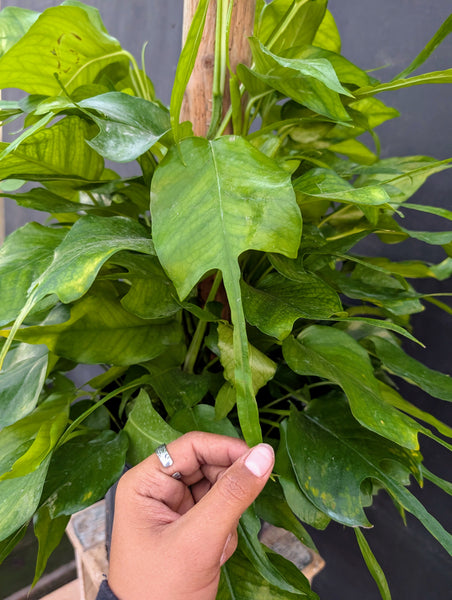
(216, 515)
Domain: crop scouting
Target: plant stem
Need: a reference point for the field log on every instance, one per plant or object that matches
(198, 336)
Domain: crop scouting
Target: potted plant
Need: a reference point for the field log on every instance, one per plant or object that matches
(219, 286)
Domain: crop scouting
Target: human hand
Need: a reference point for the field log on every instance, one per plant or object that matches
(170, 537)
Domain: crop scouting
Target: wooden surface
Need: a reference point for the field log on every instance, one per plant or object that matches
(197, 106)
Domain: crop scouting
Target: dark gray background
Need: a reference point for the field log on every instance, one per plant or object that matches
(374, 34)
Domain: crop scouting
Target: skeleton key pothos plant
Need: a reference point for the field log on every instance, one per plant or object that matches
(303, 348)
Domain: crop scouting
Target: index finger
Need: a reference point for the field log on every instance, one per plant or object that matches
(196, 449)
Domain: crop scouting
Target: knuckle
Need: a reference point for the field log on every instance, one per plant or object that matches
(233, 489)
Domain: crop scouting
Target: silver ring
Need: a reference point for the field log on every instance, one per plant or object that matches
(163, 456)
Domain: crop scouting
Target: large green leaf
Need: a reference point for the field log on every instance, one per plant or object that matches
(205, 214)
(334, 355)
(78, 259)
(24, 256)
(14, 23)
(75, 49)
(276, 302)
(25, 448)
(295, 497)
(25, 444)
(21, 381)
(19, 499)
(328, 35)
(241, 580)
(82, 470)
(151, 294)
(310, 82)
(177, 389)
(146, 429)
(286, 23)
(272, 507)
(327, 185)
(248, 530)
(128, 126)
(202, 418)
(100, 331)
(56, 153)
(49, 533)
(401, 364)
(326, 430)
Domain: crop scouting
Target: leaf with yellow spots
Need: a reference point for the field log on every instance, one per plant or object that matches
(332, 455)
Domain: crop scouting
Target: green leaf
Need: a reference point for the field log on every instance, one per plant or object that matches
(19, 499)
(202, 418)
(286, 23)
(335, 356)
(128, 126)
(44, 200)
(177, 389)
(390, 396)
(24, 256)
(186, 63)
(101, 331)
(248, 529)
(146, 429)
(328, 36)
(398, 84)
(276, 302)
(440, 35)
(27, 443)
(446, 486)
(262, 367)
(299, 503)
(21, 381)
(272, 507)
(396, 361)
(9, 543)
(202, 222)
(73, 46)
(82, 470)
(56, 153)
(310, 82)
(241, 580)
(327, 429)
(49, 533)
(326, 184)
(14, 23)
(88, 245)
(372, 564)
(151, 294)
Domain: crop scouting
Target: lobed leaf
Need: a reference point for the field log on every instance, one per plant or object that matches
(202, 222)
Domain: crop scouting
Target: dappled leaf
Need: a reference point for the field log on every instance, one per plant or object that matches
(335, 356)
(327, 429)
(100, 330)
(75, 49)
(128, 126)
(21, 381)
(208, 224)
(276, 302)
(24, 256)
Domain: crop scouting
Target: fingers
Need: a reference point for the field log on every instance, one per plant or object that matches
(197, 456)
(216, 515)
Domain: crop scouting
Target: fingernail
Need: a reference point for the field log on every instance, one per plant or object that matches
(260, 460)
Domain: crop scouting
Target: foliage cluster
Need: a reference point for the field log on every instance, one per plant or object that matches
(234, 301)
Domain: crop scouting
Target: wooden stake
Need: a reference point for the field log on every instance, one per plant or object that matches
(197, 106)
